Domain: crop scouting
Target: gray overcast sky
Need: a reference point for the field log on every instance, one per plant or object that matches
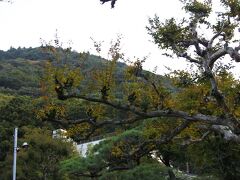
(24, 22)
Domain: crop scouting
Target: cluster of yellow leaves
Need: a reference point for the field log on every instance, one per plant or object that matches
(154, 129)
(51, 110)
(4, 99)
(191, 131)
(122, 148)
(146, 96)
(105, 76)
(80, 129)
(97, 111)
(197, 98)
(117, 150)
(63, 73)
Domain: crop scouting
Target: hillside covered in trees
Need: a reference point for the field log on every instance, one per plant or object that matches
(22, 105)
(21, 69)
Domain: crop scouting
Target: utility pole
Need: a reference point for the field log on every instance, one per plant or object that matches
(187, 168)
(15, 153)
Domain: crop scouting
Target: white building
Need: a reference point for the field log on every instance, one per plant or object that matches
(83, 148)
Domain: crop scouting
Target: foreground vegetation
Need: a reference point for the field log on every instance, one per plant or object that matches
(188, 120)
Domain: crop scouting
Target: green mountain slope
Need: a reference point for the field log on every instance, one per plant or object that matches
(21, 69)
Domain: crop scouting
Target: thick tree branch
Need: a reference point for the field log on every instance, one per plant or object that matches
(213, 38)
(103, 122)
(232, 122)
(179, 53)
(214, 88)
(189, 58)
(158, 113)
(203, 42)
(233, 53)
(225, 131)
(215, 56)
(116, 105)
(169, 136)
(198, 49)
(229, 120)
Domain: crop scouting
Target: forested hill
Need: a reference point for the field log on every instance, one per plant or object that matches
(22, 68)
(25, 53)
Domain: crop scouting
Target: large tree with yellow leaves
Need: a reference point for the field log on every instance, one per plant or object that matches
(183, 108)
